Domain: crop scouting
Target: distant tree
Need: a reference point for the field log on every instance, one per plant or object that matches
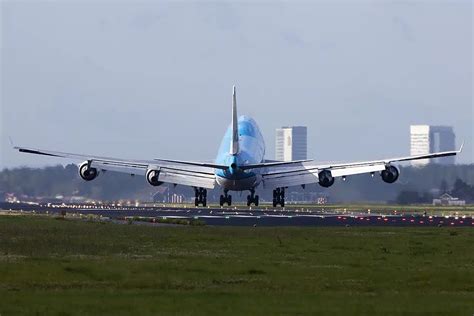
(426, 198)
(443, 188)
(59, 180)
(408, 197)
(462, 190)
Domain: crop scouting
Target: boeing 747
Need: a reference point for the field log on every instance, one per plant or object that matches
(240, 166)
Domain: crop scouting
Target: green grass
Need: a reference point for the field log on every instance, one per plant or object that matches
(64, 267)
(173, 221)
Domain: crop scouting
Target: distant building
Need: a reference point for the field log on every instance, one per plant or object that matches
(303, 197)
(447, 199)
(163, 194)
(425, 139)
(291, 143)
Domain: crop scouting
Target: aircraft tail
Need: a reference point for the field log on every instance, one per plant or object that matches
(234, 144)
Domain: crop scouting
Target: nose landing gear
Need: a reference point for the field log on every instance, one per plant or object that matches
(252, 198)
(279, 197)
(226, 198)
(200, 197)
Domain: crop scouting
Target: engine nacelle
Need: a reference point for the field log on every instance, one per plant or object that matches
(152, 177)
(325, 178)
(86, 172)
(390, 174)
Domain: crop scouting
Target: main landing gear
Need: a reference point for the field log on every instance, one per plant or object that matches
(226, 198)
(279, 197)
(200, 197)
(252, 198)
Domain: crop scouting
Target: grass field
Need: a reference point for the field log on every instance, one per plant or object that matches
(50, 266)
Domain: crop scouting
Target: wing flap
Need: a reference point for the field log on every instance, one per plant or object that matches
(288, 180)
(122, 168)
(274, 164)
(341, 172)
(192, 163)
(186, 178)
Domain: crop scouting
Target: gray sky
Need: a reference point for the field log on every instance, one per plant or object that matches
(154, 80)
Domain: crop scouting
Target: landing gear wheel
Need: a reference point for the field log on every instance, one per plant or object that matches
(200, 197)
(252, 198)
(279, 197)
(226, 198)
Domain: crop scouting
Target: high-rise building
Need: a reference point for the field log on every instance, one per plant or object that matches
(291, 143)
(425, 139)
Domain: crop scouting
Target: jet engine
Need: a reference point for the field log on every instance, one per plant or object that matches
(325, 178)
(152, 177)
(390, 174)
(86, 172)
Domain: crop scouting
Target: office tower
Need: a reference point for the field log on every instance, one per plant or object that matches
(426, 139)
(291, 143)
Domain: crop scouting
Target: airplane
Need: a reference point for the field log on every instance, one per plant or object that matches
(239, 166)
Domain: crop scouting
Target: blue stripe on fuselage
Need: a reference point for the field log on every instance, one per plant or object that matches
(252, 149)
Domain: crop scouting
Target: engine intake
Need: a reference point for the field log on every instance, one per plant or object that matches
(86, 172)
(390, 174)
(152, 177)
(325, 178)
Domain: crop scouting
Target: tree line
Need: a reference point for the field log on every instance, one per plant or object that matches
(415, 185)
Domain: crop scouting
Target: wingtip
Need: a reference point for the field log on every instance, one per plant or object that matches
(461, 148)
(11, 142)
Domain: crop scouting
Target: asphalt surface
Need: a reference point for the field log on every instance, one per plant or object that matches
(250, 217)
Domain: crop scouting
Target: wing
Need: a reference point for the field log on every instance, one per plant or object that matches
(307, 173)
(187, 173)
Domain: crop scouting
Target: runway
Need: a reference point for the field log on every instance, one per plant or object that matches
(265, 216)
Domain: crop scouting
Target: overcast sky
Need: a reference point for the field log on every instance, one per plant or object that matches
(154, 80)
